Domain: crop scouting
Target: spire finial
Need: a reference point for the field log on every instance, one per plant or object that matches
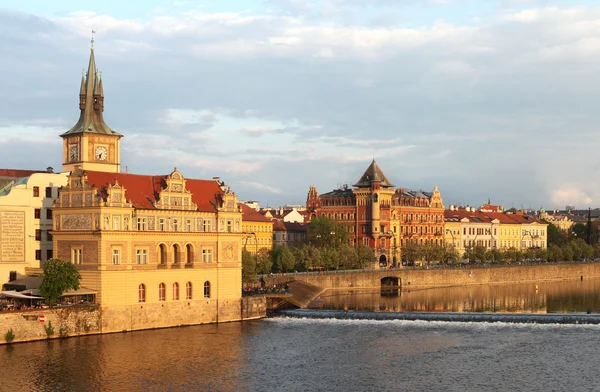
(93, 32)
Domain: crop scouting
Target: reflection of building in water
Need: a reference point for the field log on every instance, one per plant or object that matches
(508, 299)
(159, 250)
(26, 198)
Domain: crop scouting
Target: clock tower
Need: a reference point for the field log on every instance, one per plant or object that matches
(91, 144)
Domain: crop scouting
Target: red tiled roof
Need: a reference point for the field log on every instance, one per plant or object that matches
(278, 225)
(18, 173)
(296, 226)
(479, 217)
(251, 215)
(143, 190)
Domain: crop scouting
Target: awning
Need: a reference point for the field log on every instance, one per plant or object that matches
(80, 291)
(15, 294)
(24, 283)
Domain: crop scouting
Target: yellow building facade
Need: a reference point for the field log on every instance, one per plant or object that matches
(466, 227)
(257, 229)
(158, 250)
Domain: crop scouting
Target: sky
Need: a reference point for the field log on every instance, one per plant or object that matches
(486, 99)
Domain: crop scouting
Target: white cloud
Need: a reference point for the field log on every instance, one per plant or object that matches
(262, 187)
(318, 90)
(571, 194)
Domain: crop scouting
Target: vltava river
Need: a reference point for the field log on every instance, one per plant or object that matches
(284, 354)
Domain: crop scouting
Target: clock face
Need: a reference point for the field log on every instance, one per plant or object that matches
(74, 153)
(101, 153)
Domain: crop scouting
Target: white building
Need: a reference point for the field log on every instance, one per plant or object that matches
(26, 220)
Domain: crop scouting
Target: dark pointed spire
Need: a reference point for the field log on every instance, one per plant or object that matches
(373, 174)
(91, 103)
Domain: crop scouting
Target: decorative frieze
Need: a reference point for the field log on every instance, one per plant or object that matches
(76, 222)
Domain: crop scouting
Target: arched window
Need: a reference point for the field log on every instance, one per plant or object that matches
(189, 255)
(161, 292)
(142, 293)
(175, 291)
(162, 254)
(176, 254)
(188, 290)
(207, 289)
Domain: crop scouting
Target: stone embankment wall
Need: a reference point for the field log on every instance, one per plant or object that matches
(447, 277)
(72, 321)
(76, 321)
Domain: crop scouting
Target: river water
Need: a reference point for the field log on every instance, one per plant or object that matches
(287, 354)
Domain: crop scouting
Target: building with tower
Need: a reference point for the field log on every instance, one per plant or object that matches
(381, 216)
(158, 250)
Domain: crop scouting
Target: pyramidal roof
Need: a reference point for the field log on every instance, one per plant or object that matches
(91, 103)
(373, 174)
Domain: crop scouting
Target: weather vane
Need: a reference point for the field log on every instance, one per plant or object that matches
(93, 32)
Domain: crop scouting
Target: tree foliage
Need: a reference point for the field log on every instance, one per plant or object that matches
(283, 258)
(323, 232)
(264, 261)
(248, 266)
(59, 276)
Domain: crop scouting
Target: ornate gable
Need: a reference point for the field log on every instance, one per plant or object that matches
(175, 195)
(78, 192)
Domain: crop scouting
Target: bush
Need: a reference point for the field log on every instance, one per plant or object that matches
(9, 336)
(49, 329)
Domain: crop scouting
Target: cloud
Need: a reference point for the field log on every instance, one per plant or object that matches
(309, 92)
(571, 194)
(261, 187)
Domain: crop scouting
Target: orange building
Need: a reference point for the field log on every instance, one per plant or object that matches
(381, 216)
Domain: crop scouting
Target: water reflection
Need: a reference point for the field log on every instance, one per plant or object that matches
(562, 297)
(153, 360)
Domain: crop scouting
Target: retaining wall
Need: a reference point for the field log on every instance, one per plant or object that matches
(447, 277)
(77, 321)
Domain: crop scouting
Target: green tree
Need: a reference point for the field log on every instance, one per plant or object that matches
(283, 258)
(365, 256)
(555, 253)
(451, 255)
(264, 261)
(555, 236)
(410, 252)
(479, 252)
(248, 267)
(59, 276)
(348, 256)
(323, 231)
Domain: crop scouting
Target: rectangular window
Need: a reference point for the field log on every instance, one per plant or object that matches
(48, 236)
(188, 225)
(36, 191)
(176, 224)
(49, 254)
(49, 213)
(48, 191)
(206, 225)
(142, 224)
(207, 255)
(229, 225)
(116, 256)
(37, 213)
(161, 225)
(77, 255)
(141, 256)
(38, 234)
(38, 254)
(365, 241)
